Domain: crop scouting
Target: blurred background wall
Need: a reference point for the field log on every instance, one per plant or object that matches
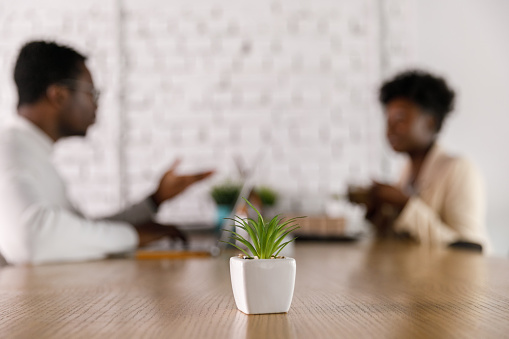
(467, 41)
(211, 81)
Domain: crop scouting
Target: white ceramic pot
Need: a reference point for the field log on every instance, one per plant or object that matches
(263, 285)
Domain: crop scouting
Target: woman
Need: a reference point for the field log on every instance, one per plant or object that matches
(439, 198)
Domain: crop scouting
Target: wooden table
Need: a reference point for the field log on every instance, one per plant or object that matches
(363, 290)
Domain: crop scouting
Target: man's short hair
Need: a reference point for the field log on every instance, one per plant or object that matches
(41, 64)
(431, 93)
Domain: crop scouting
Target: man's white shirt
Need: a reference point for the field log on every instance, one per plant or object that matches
(38, 223)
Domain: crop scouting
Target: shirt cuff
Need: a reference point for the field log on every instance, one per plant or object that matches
(149, 202)
(402, 222)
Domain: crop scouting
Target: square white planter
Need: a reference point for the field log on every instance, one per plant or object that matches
(263, 285)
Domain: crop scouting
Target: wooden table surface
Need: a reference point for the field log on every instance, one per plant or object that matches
(363, 290)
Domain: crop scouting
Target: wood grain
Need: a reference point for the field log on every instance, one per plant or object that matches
(371, 289)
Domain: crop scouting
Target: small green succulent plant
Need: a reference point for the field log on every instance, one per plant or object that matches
(267, 237)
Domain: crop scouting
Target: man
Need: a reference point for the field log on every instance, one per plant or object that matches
(38, 224)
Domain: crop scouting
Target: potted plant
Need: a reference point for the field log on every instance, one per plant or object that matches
(268, 199)
(224, 194)
(262, 281)
(267, 196)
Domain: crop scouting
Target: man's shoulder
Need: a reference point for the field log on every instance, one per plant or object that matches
(17, 146)
(12, 135)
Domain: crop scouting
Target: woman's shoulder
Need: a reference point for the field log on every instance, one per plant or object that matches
(457, 165)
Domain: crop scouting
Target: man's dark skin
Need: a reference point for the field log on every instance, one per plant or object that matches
(65, 111)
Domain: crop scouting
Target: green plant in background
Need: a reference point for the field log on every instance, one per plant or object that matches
(267, 195)
(266, 236)
(225, 193)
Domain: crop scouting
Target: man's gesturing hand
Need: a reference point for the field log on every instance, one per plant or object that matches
(172, 184)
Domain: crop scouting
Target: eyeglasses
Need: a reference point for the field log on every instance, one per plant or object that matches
(75, 86)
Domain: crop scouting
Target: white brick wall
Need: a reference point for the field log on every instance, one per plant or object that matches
(212, 79)
(89, 164)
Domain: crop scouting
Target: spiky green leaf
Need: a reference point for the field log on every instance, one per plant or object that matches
(266, 237)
